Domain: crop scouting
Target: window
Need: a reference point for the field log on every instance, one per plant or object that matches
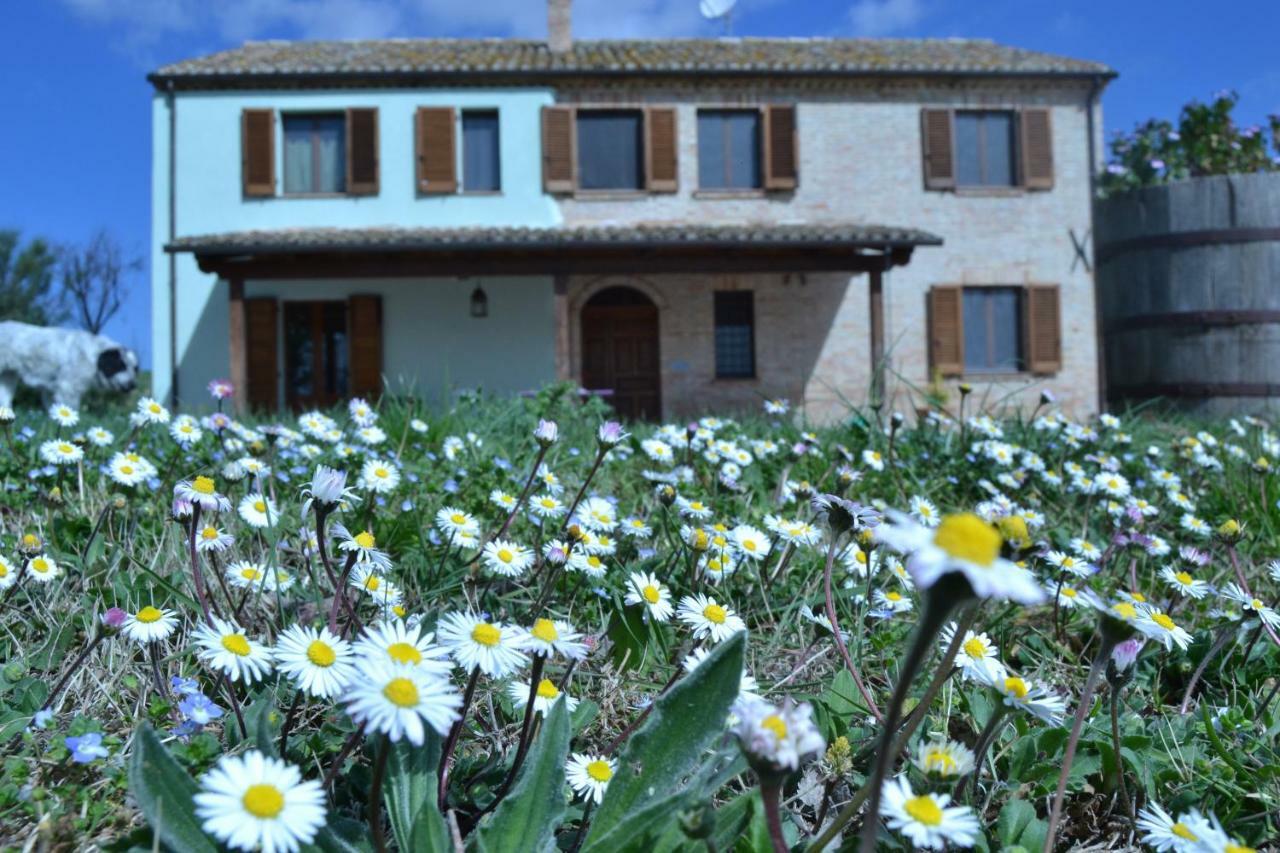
(610, 149)
(729, 149)
(315, 159)
(993, 331)
(986, 151)
(481, 171)
(735, 334)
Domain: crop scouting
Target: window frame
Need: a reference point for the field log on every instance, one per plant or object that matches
(641, 166)
(463, 112)
(758, 190)
(341, 116)
(750, 302)
(1020, 313)
(1015, 150)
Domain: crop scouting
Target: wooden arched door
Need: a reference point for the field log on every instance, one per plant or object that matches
(620, 351)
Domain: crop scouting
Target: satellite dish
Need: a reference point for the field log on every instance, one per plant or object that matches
(713, 9)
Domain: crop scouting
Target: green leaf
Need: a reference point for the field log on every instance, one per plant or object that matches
(526, 818)
(1018, 826)
(638, 828)
(656, 759)
(629, 637)
(342, 835)
(410, 793)
(583, 715)
(164, 792)
(733, 818)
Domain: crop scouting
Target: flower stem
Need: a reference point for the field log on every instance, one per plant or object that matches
(289, 717)
(1086, 698)
(1224, 635)
(451, 742)
(835, 631)
(75, 666)
(771, 795)
(1115, 746)
(985, 739)
(535, 677)
(375, 795)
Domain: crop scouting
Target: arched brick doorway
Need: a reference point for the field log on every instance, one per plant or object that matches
(620, 351)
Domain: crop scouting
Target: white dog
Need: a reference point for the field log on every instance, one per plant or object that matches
(63, 364)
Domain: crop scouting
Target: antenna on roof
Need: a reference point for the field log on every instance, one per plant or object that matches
(721, 10)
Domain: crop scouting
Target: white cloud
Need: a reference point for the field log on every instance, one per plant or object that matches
(885, 17)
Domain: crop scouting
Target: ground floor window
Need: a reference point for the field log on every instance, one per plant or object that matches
(993, 332)
(735, 319)
(316, 354)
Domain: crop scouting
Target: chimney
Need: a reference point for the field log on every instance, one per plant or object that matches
(560, 25)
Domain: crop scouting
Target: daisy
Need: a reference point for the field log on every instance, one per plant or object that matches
(367, 578)
(778, 737)
(243, 574)
(636, 528)
(453, 521)
(405, 644)
(507, 558)
(978, 659)
(944, 759)
(379, 476)
(709, 619)
(64, 415)
(747, 685)
(1033, 698)
(361, 412)
(125, 471)
(491, 648)
(8, 577)
(363, 544)
(924, 511)
(645, 588)
(963, 543)
(327, 490)
(873, 460)
(150, 411)
(589, 775)
(1068, 596)
(1184, 583)
(750, 542)
(1111, 484)
(1162, 832)
(546, 506)
(502, 500)
(597, 514)
(60, 452)
(589, 564)
(203, 492)
(696, 510)
(545, 696)
(99, 437)
(1158, 626)
(1069, 564)
(1195, 526)
(891, 602)
(185, 431)
(251, 801)
(223, 646)
(397, 699)
(319, 663)
(43, 568)
(258, 510)
(149, 625)
(548, 637)
(1257, 606)
(926, 819)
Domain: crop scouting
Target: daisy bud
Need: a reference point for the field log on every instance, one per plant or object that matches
(1261, 465)
(699, 821)
(31, 543)
(6, 415)
(1047, 398)
(666, 494)
(546, 433)
(610, 433)
(838, 514)
(775, 739)
(965, 389)
(221, 389)
(113, 619)
(897, 419)
(1230, 530)
(1125, 653)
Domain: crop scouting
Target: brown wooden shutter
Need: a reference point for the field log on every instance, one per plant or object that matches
(1037, 149)
(1043, 328)
(946, 329)
(661, 168)
(364, 317)
(559, 149)
(362, 151)
(257, 152)
(939, 153)
(435, 144)
(260, 348)
(781, 151)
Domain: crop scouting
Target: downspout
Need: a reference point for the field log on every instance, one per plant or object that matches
(1099, 341)
(173, 258)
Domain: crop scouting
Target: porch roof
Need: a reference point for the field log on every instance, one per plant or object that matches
(599, 249)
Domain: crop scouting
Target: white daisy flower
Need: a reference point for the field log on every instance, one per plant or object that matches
(597, 514)
(873, 459)
(777, 736)
(589, 775)
(546, 696)
(203, 492)
(924, 511)
(1069, 564)
(64, 415)
(8, 575)
(978, 659)
(546, 506)
(150, 411)
(363, 544)
(452, 522)
(708, 618)
(503, 500)
(318, 662)
(125, 471)
(1159, 627)
(361, 412)
(379, 476)
(751, 543)
(396, 700)
(645, 588)
(943, 759)
(491, 647)
(927, 819)
(99, 437)
(696, 510)
(185, 431)
(402, 643)
(1251, 604)
(1162, 832)
(506, 558)
(891, 602)
(589, 564)
(548, 637)
(224, 646)
(42, 568)
(1184, 583)
(327, 489)
(367, 578)
(258, 510)
(251, 802)
(243, 574)
(1031, 697)
(149, 625)
(61, 452)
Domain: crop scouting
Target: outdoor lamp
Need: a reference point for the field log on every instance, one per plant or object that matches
(479, 303)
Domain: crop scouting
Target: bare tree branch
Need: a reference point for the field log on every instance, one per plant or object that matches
(93, 279)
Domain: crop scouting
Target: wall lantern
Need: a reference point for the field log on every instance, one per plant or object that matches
(479, 303)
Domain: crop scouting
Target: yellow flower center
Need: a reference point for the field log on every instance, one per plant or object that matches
(251, 574)
(594, 562)
(1125, 610)
(651, 594)
(148, 615)
(1139, 597)
(40, 564)
(548, 503)
(127, 470)
(1163, 621)
(321, 653)
(404, 653)
(714, 613)
(893, 596)
(1015, 686)
(372, 583)
(775, 724)
(402, 692)
(209, 533)
(381, 473)
(458, 518)
(1183, 578)
(700, 540)
(547, 689)
(155, 408)
(505, 556)
(1237, 848)
(749, 545)
(365, 539)
(260, 505)
(924, 810)
(599, 771)
(263, 801)
(974, 647)
(1180, 829)
(1069, 592)
(203, 485)
(545, 630)
(939, 760)
(1256, 604)
(236, 644)
(967, 537)
(486, 634)
(66, 448)
(30, 540)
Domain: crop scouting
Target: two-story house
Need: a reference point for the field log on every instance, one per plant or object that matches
(690, 224)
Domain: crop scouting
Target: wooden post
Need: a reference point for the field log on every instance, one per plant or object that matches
(876, 313)
(237, 346)
(564, 369)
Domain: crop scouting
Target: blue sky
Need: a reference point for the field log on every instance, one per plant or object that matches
(75, 149)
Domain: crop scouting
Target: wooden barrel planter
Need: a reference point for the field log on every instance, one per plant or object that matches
(1189, 293)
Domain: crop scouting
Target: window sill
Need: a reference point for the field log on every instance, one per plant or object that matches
(481, 193)
(735, 380)
(990, 192)
(322, 195)
(1000, 376)
(718, 195)
(609, 195)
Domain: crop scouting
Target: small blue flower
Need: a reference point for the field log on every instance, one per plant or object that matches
(199, 709)
(406, 505)
(86, 748)
(450, 486)
(501, 464)
(184, 686)
(573, 451)
(42, 718)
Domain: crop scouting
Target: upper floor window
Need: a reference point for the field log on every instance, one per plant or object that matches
(314, 153)
(735, 319)
(985, 149)
(610, 149)
(729, 149)
(481, 169)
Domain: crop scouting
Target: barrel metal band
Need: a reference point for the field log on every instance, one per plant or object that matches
(1197, 390)
(1220, 318)
(1188, 240)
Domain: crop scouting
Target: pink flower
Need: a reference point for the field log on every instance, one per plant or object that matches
(221, 389)
(610, 433)
(1125, 653)
(113, 618)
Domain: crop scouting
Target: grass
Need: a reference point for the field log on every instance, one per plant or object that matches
(120, 547)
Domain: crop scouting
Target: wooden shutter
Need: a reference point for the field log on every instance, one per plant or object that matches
(946, 329)
(260, 349)
(1037, 149)
(364, 318)
(781, 152)
(661, 168)
(435, 144)
(258, 152)
(939, 152)
(559, 149)
(362, 151)
(1043, 328)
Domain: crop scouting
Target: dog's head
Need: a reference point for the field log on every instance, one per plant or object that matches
(118, 368)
